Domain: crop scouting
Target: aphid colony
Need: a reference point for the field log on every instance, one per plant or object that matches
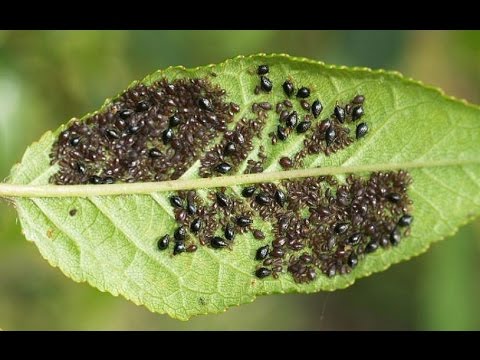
(150, 133)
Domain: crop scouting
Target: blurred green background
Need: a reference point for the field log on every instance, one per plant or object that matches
(47, 77)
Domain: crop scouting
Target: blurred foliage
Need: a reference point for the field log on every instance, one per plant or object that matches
(47, 77)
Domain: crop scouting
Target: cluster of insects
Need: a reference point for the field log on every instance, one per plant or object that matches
(315, 225)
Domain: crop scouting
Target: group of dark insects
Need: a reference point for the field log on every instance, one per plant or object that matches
(303, 227)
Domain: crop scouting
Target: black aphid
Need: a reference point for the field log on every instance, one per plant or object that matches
(95, 180)
(280, 197)
(361, 131)
(244, 221)
(180, 233)
(281, 133)
(359, 99)
(263, 199)
(265, 84)
(196, 225)
(340, 228)
(154, 153)
(205, 104)
(223, 168)
(229, 232)
(371, 247)
(142, 106)
(81, 168)
(354, 239)
(163, 242)
(108, 180)
(217, 242)
(352, 260)
(262, 253)
(330, 135)
(285, 162)
(248, 191)
(339, 113)
(176, 201)
(229, 149)
(394, 197)
(222, 200)
(178, 248)
(262, 273)
(167, 136)
(357, 112)
(74, 141)
(288, 88)
(303, 126)
(405, 220)
(303, 92)
(73, 212)
(258, 234)
(317, 108)
(191, 208)
(174, 120)
(395, 236)
(125, 113)
(262, 69)
(192, 248)
(112, 134)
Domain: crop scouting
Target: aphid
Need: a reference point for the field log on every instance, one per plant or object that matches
(167, 136)
(72, 212)
(205, 104)
(262, 273)
(223, 168)
(265, 84)
(180, 216)
(262, 253)
(81, 168)
(330, 135)
(354, 239)
(244, 221)
(222, 200)
(95, 180)
(394, 197)
(75, 141)
(277, 252)
(317, 108)
(281, 133)
(359, 99)
(305, 105)
(288, 88)
(163, 242)
(340, 228)
(112, 134)
(263, 199)
(265, 105)
(287, 103)
(258, 234)
(217, 242)
(303, 126)
(191, 248)
(125, 113)
(179, 247)
(339, 113)
(229, 232)
(280, 197)
(405, 220)
(248, 191)
(357, 112)
(286, 162)
(371, 247)
(191, 208)
(176, 201)
(234, 107)
(174, 120)
(303, 92)
(108, 180)
(262, 69)
(229, 149)
(180, 233)
(332, 270)
(196, 225)
(395, 236)
(142, 106)
(352, 260)
(362, 130)
(154, 153)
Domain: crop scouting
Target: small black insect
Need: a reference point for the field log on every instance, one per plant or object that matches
(340, 228)
(291, 119)
(303, 92)
(339, 113)
(174, 120)
(265, 84)
(217, 242)
(167, 136)
(263, 199)
(163, 242)
(223, 168)
(125, 113)
(81, 168)
(191, 208)
(317, 108)
(330, 135)
(288, 88)
(262, 253)
(280, 197)
(305, 105)
(244, 221)
(75, 141)
(154, 153)
(394, 197)
(196, 225)
(371, 247)
(192, 248)
(285, 162)
(258, 234)
(142, 106)
(176, 201)
(229, 232)
(229, 149)
(222, 200)
(281, 133)
(405, 220)
(303, 126)
(248, 191)
(354, 239)
(359, 99)
(262, 273)
(262, 70)
(180, 233)
(95, 180)
(72, 212)
(108, 180)
(362, 130)
(357, 112)
(395, 236)
(205, 104)
(112, 134)
(179, 248)
(352, 260)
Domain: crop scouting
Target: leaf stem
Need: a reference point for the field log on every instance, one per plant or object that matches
(39, 191)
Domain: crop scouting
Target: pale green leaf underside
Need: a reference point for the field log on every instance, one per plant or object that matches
(110, 243)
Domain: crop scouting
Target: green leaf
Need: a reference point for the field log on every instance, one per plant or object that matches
(111, 242)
